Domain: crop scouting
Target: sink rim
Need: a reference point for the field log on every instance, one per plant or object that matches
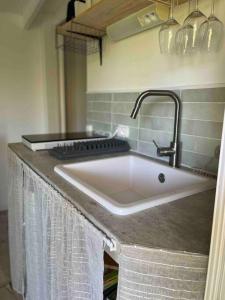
(120, 209)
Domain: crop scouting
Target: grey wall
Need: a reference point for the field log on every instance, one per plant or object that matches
(201, 125)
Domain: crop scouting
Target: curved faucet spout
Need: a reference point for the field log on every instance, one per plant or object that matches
(171, 151)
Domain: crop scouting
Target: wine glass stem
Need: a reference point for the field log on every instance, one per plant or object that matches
(171, 9)
(213, 7)
(189, 6)
(196, 4)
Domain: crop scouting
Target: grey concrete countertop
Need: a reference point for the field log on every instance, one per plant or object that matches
(182, 225)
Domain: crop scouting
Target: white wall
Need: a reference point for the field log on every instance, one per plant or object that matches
(22, 107)
(136, 63)
(75, 87)
(50, 75)
(29, 93)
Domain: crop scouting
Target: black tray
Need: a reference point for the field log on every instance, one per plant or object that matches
(89, 148)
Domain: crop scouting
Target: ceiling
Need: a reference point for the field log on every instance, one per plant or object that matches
(13, 6)
(17, 6)
(30, 10)
(52, 6)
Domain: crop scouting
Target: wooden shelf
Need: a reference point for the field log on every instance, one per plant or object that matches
(80, 31)
(105, 13)
(90, 26)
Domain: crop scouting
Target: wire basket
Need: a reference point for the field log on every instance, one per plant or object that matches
(80, 46)
(82, 39)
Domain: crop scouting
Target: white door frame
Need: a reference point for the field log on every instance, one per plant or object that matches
(215, 286)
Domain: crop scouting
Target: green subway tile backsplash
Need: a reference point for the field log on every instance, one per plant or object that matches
(99, 116)
(161, 138)
(100, 106)
(124, 120)
(147, 148)
(122, 108)
(100, 127)
(125, 97)
(165, 110)
(201, 123)
(104, 97)
(200, 145)
(203, 111)
(202, 128)
(196, 160)
(154, 123)
(204, 95)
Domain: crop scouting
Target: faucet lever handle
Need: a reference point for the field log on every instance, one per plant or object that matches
(154, 142)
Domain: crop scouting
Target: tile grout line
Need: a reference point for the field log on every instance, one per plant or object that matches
(185, 134)
(183, 150)
(98, 121)
(160, 102)
(154, 130)
(161, 117)
(186, 119)
(154, 116)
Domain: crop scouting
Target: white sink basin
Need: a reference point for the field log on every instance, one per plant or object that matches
(129, 184)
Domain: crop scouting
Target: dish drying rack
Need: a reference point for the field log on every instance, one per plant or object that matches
(90, 148)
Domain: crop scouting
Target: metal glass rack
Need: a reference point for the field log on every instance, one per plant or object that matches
(82, 39)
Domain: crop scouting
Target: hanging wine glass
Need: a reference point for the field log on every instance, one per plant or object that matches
(211, 32)
(167, 33)
(195, 19)
(184, 36)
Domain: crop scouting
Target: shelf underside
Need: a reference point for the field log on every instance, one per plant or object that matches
(90, 26)
(103, 14)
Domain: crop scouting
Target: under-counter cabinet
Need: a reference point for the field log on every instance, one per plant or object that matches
(57, 253)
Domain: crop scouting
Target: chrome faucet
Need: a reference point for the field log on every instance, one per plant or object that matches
(171, 151)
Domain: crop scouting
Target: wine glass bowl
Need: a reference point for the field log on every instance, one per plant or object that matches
(183, 40)
(197, 32)
(167, 36)
(211, 32)
(195, 19)
(167, 33)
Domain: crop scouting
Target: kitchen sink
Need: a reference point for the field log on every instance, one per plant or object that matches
(129, 184)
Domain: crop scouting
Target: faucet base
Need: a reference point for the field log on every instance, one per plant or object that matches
(174, 160)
